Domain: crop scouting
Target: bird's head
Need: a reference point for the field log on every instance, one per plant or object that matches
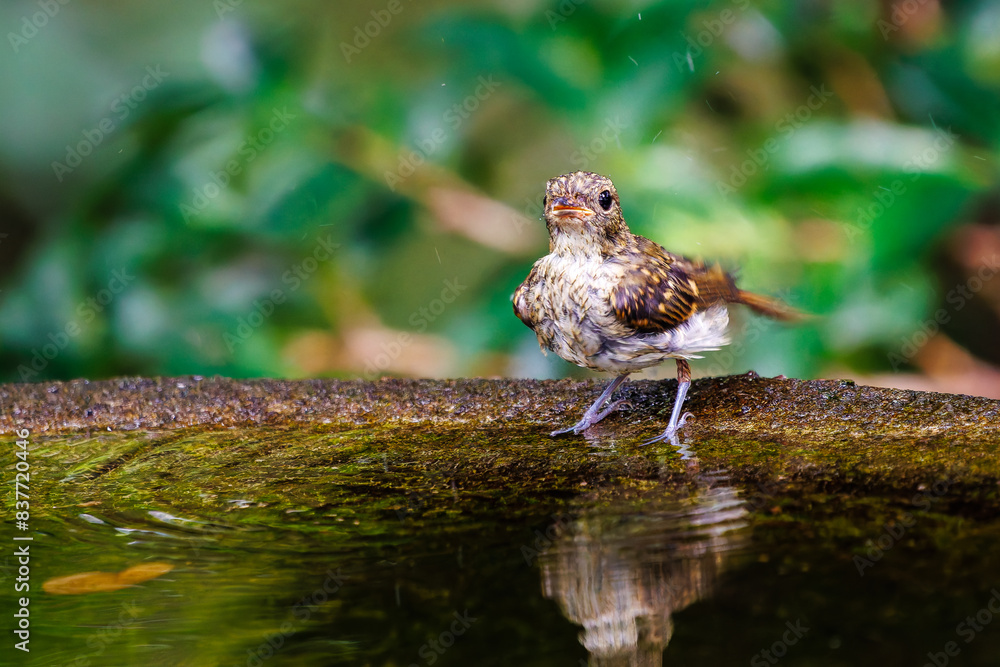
(583, 214)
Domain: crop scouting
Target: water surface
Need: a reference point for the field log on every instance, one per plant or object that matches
(404, 546)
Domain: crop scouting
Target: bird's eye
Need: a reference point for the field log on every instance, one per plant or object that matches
(604, 199)
(545, 200)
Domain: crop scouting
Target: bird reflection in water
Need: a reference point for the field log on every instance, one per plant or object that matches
(623, 574)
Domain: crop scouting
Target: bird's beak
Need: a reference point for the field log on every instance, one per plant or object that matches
(563, 211)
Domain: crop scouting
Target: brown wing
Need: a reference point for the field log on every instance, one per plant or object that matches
(521, 307)
(659, 291)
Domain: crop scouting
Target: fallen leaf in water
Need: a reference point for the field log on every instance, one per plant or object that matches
(99, 582)
(85, 582)
(144, 572)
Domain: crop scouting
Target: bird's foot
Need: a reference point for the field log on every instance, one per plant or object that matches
(671, 432)
(589, 419)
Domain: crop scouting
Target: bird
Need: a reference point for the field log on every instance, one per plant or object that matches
(609, 300)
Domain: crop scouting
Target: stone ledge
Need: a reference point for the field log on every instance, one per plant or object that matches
(766, 407)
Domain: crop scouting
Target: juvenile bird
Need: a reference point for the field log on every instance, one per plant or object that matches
(610, 300)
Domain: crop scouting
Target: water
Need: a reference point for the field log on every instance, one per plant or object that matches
(497, 547)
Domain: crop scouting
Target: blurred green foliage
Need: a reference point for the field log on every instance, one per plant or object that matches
(309, 188)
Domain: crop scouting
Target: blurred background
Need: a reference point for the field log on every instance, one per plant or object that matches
(308, 189)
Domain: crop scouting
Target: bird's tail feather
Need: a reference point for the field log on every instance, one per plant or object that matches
(715, 284)
(769, 307)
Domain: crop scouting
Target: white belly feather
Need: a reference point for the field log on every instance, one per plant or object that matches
(574, 319)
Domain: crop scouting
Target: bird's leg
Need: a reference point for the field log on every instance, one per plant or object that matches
(676, 420)
(594, 413)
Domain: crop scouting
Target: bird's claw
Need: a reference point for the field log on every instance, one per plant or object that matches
(589, 420)
(608, 410)
(669, 433)
(666, 435)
